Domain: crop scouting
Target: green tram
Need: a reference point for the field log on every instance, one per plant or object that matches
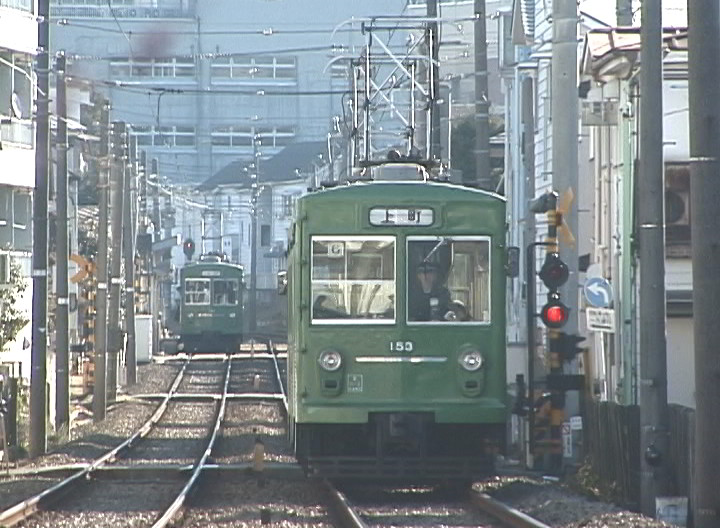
(211, 308)
(397, 344)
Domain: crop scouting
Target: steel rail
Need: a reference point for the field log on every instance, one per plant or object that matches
(342, 508)
(167, 517)
(28, 507)
(510, 516)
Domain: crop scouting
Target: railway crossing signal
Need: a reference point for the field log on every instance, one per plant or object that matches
(554, 273)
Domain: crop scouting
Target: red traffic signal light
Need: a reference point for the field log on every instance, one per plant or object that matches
(554, 272)
(189, 248)
(554, 314)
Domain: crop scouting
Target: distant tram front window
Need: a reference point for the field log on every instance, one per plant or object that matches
(225, 292)
(448, 279)
(197, 291)
(353, 280)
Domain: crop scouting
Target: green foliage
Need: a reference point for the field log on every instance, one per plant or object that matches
(463, 147)
(12, 318)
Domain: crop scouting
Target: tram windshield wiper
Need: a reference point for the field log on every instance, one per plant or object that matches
(441, 243)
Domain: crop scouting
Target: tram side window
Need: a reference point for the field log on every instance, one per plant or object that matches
(225, 291)
(353, 279)
(197, 291)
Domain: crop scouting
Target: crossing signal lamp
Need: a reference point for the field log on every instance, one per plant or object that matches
(554, 273)
(189, 248)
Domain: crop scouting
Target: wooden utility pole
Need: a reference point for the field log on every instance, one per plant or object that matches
(704, 50)
(38, 353)
(654, 440)
(62, 341)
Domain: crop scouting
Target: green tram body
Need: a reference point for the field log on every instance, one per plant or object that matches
(211, 307)
(400, 405)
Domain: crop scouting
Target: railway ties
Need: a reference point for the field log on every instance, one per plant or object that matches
(188, 437)
(361, 506)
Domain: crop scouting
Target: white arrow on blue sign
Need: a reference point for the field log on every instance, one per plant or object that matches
(598, 292)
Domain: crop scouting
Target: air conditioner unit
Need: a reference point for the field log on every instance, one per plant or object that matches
(677, 207)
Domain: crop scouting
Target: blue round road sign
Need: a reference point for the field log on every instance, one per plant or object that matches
(598, 292)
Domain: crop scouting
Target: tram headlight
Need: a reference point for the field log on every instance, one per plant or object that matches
(471, 360)
(330, 360)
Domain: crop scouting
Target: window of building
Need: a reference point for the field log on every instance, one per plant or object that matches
(165, 136)
(288, 203)
(254, 70)
(160, 68)
(264, 235)
(242, 137)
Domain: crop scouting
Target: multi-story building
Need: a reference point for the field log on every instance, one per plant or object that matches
(198, 81)
(18, 45)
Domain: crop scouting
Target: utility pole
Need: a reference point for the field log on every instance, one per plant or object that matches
(255, 191)
(623, 12)
(129, 223)
(654, 441)
(117, 177)
(704, 77)
(483, 177)
(565, 134)
(433, 38)
(62, 344)
(38, 357)
(100, 383)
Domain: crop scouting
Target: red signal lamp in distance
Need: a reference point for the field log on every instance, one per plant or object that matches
(554, 314)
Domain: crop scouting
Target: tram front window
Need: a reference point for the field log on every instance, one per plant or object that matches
(353, 280)
(448, 279)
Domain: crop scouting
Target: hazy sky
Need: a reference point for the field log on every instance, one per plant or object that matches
(674, 11)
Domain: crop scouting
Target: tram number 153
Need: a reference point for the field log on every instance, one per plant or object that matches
(401, 346)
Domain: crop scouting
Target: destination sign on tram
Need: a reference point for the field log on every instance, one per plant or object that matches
(401, 216)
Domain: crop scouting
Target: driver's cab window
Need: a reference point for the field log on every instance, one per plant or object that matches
(448, 279)
(353, 280)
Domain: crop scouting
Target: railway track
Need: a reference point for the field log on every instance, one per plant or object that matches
(477, 509)
(241, 395)
(146, 467)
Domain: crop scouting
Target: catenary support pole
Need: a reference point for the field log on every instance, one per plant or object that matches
(129, 222)
(482, 101)
(434, 84)
(704, 51)
(38, 353)
(117, 177)
(654, 441)
(100, 381)
(62, 344)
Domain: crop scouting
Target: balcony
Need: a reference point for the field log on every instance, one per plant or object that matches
(22, 5)
(178, 9)
(17, 133)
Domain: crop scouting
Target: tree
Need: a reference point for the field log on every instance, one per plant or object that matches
(12, 318)
(463, 147)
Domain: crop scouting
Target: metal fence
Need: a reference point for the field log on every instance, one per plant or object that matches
(613, 439)
(24, 5)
